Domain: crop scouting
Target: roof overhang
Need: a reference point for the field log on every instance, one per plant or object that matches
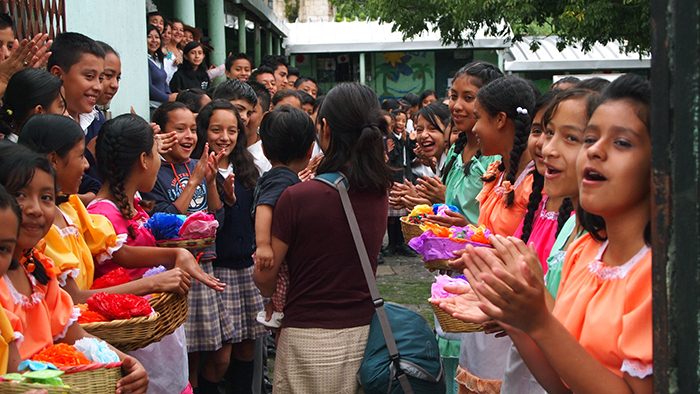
(265, 14)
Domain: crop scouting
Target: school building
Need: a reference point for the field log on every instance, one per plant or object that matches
(369, 52)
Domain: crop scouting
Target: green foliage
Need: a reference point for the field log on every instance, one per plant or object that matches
(575, 22)
(291, 9)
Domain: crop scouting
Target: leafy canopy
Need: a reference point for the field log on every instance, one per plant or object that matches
(575, 22)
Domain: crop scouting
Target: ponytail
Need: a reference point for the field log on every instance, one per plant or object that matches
(565, 210)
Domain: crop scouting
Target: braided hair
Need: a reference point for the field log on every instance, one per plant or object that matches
(538, 180)
(514, 97)
(479, 73)
(120, 143)
(565, 209)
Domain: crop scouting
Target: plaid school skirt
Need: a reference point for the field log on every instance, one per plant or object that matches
(208, 325)
(242, 302)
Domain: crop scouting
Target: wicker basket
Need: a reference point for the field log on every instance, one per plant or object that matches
(452, 324)
(127, 334)
(438, 264)
(21, 388)
(410, 230)
(189, 243)
(93, 378)
(172, 312)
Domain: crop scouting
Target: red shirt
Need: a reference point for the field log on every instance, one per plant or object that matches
(327, 287)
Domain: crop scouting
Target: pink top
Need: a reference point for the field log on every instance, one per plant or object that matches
(144, 237)
(543, 234)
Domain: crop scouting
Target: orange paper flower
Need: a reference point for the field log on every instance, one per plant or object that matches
(61, 355)
(438, 230)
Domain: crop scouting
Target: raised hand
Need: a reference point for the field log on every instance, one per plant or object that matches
(229, 190)
(464, 306)
(175, 280)
(431, 188)
(452, 219)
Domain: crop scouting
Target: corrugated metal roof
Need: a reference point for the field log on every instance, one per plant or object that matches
(366, 36)
(519, 57)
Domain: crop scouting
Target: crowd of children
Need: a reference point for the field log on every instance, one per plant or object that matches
(561, 179)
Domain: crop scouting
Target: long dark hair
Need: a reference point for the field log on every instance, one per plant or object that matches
(241, 159)
(119, 145)
(436, 111)
(636, 90)
(200, 73)
(479, 74)
(351, 112)
(510, 95)
(25, 90)
(158, 55)
(538, 180)
(17, 168)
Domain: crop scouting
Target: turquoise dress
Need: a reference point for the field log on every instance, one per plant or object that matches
(555, 261)
(461, 190)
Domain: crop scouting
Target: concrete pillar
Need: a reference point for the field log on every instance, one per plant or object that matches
(292, 60)
(241, 32)
(184, 11)
(268, 41)
(217, 32)
(363, 73)
(258, 49)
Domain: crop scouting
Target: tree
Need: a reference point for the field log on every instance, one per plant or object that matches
(577, 22)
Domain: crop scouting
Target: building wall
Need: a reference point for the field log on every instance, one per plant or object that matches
(122, 25)
(314, 9)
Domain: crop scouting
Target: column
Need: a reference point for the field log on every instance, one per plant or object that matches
(184, 11)
(268, 41)
(217, 32)
(276, 45)
(258, 49)
(241, 32)
(363, 72)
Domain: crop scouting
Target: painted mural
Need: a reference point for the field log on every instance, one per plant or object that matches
(398, 73)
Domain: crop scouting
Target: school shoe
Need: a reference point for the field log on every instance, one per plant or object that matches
(380, 259)
(388, 250)
(405, 250)
(275, 320)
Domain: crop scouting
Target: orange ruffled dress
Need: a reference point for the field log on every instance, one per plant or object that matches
(44, 317)
(7, 335)
(492, 208)
(608, 309)
(87, 238)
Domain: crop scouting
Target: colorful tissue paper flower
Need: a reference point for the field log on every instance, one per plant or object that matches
(61, 355)
(438, 231)
(199, 225)
(422, 209)
(164, 225)
(88, 316)
(154, 271)
(439, 209)
(96, 350)
(113, 278)
(119, 306)
(471, 233)
(437, 290)
(507, 187)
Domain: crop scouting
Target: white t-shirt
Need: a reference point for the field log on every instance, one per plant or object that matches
(260, 160)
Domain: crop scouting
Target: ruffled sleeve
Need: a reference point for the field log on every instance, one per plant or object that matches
(491, 171)
(97, 230)
(63, 314)
(6, 336)
(58, 247)
(635, 342)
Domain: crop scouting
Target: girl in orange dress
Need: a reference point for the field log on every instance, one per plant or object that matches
(38, 309)
(10, 216)
(598, 338)
(503, 111)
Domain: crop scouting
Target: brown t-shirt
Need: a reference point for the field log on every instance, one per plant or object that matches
(327, 287)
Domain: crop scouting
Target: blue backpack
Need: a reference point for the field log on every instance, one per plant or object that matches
(402, 354)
